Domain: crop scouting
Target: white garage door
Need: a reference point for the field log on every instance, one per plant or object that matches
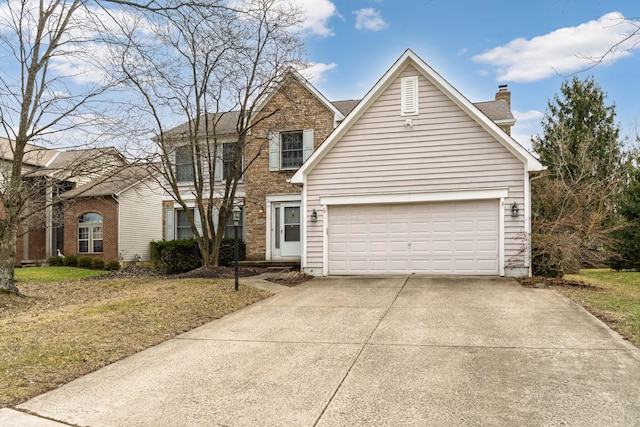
(423, 238)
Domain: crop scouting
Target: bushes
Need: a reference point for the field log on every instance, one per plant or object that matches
(56, 261)
(180, 256)
(227, 255)
(97, 264)
(70, 261)
(85, 262)
(175, 256)
(112, 266)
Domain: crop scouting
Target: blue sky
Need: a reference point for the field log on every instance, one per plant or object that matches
(530, 45)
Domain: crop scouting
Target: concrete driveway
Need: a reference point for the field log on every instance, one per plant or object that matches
(370, 351)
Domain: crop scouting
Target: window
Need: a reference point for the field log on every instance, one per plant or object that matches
(409, 95)
(228, 229)
(291, 150)
(184, 164)
(90, 233)
(288, 150)
(183, 227)
(228, 156)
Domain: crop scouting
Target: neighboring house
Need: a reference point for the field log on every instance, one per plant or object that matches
(418, 180)
(440, 147)
(115, 217)
(85, 202)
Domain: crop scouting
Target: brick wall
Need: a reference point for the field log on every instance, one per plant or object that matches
(105, 206)
(291, 108)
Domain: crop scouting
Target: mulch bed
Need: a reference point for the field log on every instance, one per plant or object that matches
(547, 282)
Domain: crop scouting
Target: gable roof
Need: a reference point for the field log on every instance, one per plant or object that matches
(410, 58)
(225, 122)
(112, 184)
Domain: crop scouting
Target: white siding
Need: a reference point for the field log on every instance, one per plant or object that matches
(444, 150)
(140, 220)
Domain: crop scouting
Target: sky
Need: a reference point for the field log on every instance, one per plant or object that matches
(533, 46)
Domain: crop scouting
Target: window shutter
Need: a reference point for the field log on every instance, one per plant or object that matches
(169, 226)
(219, 166)
(409, 95)
(307, 144)
(274, 151)
(196, 220)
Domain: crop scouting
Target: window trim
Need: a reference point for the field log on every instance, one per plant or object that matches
(92, 226)
(184, 169)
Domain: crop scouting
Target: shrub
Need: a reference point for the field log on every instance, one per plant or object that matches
(175, 256)
(112, 265)
(180, 256)
(85, 262)
(97, 264)
(70, 261)
(227, 254)
(55, 261)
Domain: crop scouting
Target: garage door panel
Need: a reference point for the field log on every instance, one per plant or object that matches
(427, 238)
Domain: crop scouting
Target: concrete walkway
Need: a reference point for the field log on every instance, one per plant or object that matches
(432, 351)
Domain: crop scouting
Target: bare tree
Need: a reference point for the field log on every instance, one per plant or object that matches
(50, 89)
(211, 68)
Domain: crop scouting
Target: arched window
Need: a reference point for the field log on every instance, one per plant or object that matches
(90, 233)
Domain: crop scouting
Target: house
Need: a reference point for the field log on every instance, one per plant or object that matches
(328, 177)
(417, 180)
(87, 202)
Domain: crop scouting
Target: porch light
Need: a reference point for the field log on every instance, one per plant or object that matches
(514, 209)
(314, 216)
(236, 215)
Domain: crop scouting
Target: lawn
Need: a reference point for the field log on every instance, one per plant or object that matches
(612, 296)
(67, 328)
(54, 274)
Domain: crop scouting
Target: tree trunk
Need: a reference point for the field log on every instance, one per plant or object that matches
(8, 231)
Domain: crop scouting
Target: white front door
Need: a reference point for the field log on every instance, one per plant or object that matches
(286, 229)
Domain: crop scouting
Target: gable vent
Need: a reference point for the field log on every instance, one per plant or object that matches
(409, 96)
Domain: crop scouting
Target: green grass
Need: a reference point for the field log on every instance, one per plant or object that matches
(54, 274)
(612, 296)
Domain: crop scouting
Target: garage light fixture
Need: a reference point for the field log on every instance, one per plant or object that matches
(314, 216)
(514, 209)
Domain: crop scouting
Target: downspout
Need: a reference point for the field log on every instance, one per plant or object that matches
(115, 198)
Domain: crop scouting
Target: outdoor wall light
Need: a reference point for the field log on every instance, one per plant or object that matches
(314, 216)
(514, 209)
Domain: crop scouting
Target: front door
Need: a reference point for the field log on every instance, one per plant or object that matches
(286, 229)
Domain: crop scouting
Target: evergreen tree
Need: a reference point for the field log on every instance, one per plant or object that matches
(573, 205)
(627, 246)
(579, 131)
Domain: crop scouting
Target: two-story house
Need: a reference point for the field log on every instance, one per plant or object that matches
(87, 202)
(291, 125)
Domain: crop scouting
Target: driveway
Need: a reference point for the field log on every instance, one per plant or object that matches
(433, 351)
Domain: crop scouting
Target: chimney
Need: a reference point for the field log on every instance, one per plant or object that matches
(503, 93)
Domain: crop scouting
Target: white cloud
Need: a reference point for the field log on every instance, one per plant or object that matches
(527, 125)
(369, 19)
(528, 116)
(316, 72)
(317, 15)
(562, 51)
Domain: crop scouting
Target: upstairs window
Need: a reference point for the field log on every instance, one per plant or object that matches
(409, 96)
(90, 233)
(288, 150)
(184, 164)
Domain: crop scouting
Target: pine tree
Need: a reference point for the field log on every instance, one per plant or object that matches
(573, 206)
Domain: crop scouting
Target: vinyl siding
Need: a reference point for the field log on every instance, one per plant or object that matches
(444, 150)
(140, 220)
